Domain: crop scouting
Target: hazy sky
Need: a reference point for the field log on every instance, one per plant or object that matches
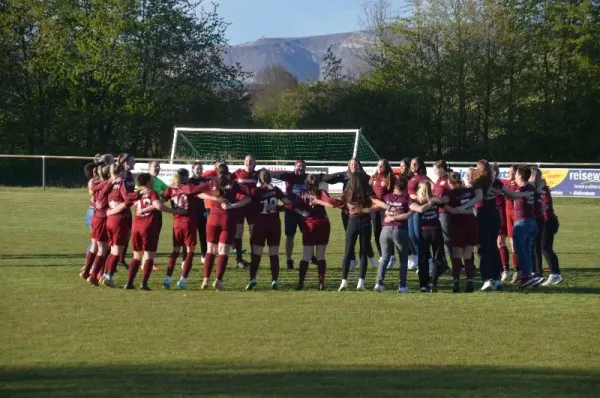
(251, 19)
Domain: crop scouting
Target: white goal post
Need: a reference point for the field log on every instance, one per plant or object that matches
(271, 144)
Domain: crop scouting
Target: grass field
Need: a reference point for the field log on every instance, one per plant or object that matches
(62, 337)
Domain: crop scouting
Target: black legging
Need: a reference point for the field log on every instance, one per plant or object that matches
(550, 229)
(430, 238)
(376, 220)
(490, 264)
(358, 227)
(538, 260)
(345, 218)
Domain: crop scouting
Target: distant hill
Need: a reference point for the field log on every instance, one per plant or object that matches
(301, 56)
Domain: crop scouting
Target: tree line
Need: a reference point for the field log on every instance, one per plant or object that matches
(510, 80)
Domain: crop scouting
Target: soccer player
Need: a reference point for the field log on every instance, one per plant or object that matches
(128, 162)
(536, 180)
(394, 233)
(430, 236)
(316, 229)
(246, 177)
(89, 172)
(267, 226)
(382, 182)
(358, 198)
(550, 229)
(225, 198)
(464, 230)
(501, 241)
(510, 184)
(146, 229)
(201, 213)
(418, 172)
(440, 189)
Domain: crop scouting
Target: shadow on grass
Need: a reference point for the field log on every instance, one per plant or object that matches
(184, 379)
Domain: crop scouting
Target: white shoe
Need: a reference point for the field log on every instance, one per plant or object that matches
(374, 263)
(218, 285)
(343, 285)
(204, 284)
(403, 290)
(201, 259)
(553, 279)
(496, 285)
(361, 285)
(537, 281)
(352, 264)
(413, 263)
(378, 288)
(487, 285)
(505, 275)
(392, 263)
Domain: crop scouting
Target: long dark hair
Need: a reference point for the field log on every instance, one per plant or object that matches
(401, 184)
(88, 170)
(223, 179)
(483, 173)
(357, 192)
(388, 175)
(421, 168)
(406, 163)
(312, 185)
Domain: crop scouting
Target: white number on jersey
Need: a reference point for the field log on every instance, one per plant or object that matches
(142, 204)
(181, 202)
(268, 206)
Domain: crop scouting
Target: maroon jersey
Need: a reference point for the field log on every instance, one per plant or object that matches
(523, 208)
(147, 219)
(316, 213)
(183, 197)
(100, 198)
(548, 205)
(413, 183)
(118, 195)
(399, 204)
(508, 202)
(265, 200)
(380, 186)
(440, 188)
(294, 184)
(430, 219)
(232, 194)
(458, 197)
(490, 190)
(245, 178)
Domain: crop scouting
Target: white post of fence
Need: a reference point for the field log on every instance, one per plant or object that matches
(174, 144)
(44, 173)
(356, 138)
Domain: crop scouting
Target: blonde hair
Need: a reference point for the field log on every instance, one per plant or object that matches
(104, 173)
(536, 176)
(424, 192)
(116, 169)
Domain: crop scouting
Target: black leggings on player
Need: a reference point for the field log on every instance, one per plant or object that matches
(359, 228)
(490, 265)
(370, 253)
(538, 260)
(550, 229)
(430, 238)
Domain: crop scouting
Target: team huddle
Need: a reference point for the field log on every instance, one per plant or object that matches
(407, 213)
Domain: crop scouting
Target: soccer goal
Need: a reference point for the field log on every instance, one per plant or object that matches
(266, 144)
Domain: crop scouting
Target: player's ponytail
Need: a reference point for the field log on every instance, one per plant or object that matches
(104, 173)
(222, 180)
(424, 192)
(264, 177)
(116, 169)
(456, 180)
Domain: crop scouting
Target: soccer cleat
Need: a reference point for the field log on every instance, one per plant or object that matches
(455, 287)
(218, 285)
(167, 283)
(321, 287)
(505, 275)
(92, 280)
(181, 285)
(204, 285)
(470, 287)
(392, 263)
(537, 280)
(251, 284)
(515, 277)
(290, 264)
(352, 264)
(525, 281)
(361, 285)
(108, 282)
(403, 289)
(242, 264)
(425, 289)
(299, 287)
(343, 285)
(553, 279)
(144, 286)
(129, 286)
(83, 275)
(497, 285)
(378, 288)
(274, 285)
(374, 263)
(487, 285)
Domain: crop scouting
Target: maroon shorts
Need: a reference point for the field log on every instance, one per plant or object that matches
(99, 232)
(465, 234)
(118, 230)
(267, 229)
(510, 223)
(184, 232)
(220, 228)
(144, 237)
(247, 213)
(316, 233)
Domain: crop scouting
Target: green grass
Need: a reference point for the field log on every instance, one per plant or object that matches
(62, 337)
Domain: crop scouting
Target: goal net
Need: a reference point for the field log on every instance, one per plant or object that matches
(264, 144)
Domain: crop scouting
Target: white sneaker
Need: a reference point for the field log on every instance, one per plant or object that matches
(487, 285)
(218, 285)
(403, 290)
(374, 263)
(553, 279)
(378, 288)
(201, 259)
(497, 285)
(505, 275)
(392, 263)
(413, 263)
(204, 284)
(343, 285)
(537, 281)
(361, 285)
(352, 264)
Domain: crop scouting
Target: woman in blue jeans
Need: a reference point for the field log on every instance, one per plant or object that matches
(525, 228)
